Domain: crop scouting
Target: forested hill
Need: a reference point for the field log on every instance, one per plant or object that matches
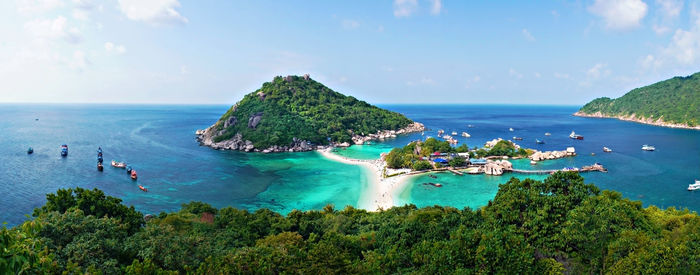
(676, 101)
(559, 225)
(299, 107)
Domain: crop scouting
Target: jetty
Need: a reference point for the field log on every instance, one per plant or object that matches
(456, 172)
(597, 167)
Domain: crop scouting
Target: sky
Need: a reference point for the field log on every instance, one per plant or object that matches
(383, 52)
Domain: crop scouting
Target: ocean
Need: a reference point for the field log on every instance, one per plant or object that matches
(158, 141)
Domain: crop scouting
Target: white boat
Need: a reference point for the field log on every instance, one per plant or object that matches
(510, 129)
(648, 147)
(532, 162)
(573, 135)
(547, 134)
(454, 133)
(607, 150)
(422, 134)
(694, 186)
(470, 126)
(464, 134)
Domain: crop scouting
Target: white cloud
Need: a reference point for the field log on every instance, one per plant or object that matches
(158, 12)
(620, 14)
(670, 8)
(405, 8)
(660, 29)
(37, 6)
(184, 70)
(555, 13)
(380, 28)
(53, 29)
(436, 7)
(528, 36)
(82, 9)
(112, 48)
(350, 24)
(515, 73)
(426, 80)
(562, 75)
(537, 75)
(79, 62)
(471, 81)
(598, 70)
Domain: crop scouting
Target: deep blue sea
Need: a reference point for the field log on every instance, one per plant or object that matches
(158, 141)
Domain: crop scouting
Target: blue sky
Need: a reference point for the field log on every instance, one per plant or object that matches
(402, 51)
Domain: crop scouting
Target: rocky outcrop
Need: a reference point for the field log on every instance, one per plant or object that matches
(497, 168)
(538, 155)
(206, 138)
(254, 120)
(381, 135)
(633, 118)
(230, 121)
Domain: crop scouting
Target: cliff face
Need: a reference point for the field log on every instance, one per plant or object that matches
(671, 103)
(299, 114)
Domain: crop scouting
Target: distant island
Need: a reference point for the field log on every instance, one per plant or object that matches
(671, 103)
(297, 113)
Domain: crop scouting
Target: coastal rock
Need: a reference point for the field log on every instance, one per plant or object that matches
(547, 155)
(254, 120)
(230, 122)
(633, 118)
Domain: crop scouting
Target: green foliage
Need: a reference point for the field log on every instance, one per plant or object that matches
(457, 162)
(196, 207)
(559, 225)
(408, 155)
(676, 100)
(306, 110)
(504, 148)
(422, 165)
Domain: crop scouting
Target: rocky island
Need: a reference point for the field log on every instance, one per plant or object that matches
(670, 103)
(297, 113)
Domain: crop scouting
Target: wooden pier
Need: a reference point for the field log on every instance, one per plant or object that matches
(456, 172)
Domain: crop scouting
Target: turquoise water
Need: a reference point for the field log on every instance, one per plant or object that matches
(158, 141)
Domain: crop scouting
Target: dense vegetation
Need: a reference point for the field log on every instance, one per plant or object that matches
(410, 155)
(530, 227)
(676, 100)
(293, 106)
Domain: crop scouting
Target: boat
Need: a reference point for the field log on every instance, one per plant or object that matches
(435, 184)
(465, 134)
(118, 164)
(454, 133)
(517, 138)
(133, 175)
(539, 141)
(100, 167)
(573, 135)
(547, 134)
(64, 150)
(592, 154)
(143, 188)
(510, 129)
(422, 133)
(607, 150)
(100, 159)
(129, 169)
(694, 186)
(30, 150)
(532, 162)
(433, 176)
(470, 126)
(648, 147)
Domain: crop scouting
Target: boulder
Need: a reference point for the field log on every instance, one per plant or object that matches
(230, 122)
(254, 120)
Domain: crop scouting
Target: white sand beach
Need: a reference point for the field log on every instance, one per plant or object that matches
(381, 190)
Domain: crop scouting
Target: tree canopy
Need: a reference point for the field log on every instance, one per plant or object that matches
(676, 100)
(559, 225)
(296, 107)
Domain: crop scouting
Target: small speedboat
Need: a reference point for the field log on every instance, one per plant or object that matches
(30, 150)
(517, 138)
(100, 167)
(454, 133)
(532, 162)
(465, 134)
(143, 188)
(547, 134)
(128, 170)
(607, 150)
(694, 186)
(510, 129)
(64, 150)
(133, 175)
(433, 176)
(539, 141)
(470, 126)
(118, 164)
(435, 184)
(648, 147)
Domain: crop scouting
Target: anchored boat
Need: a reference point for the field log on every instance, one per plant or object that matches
(694, 186)
(547, 134)
(118, 164)
(30, 151)
(517, 138)
(143, 188)
(64, 150)
(539, 141)
(133, 175)
(573, 135)
(648, 147)
(465, 134)
(607, 150)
